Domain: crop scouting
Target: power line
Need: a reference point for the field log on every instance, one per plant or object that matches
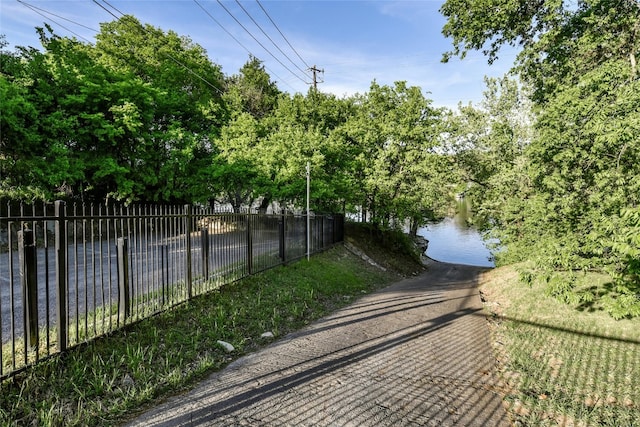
(57, 16)
(113, 7)
(222, 26)
(38, 11)
(257, 41)
(267, 36)
(283, 36)
(107, 10)
(238, 41)
(173, 58)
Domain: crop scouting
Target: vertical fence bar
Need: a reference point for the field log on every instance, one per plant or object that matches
(204, 242)
(1, 309)
(124, 296)
(61, 274)
(109, 224)
(307, 235)
(162, 238)
(46, 281)
(101, 268)
(187, 229)
(24, 298)
(74, 229)
(12, 317)
(29, 277)
(86, 272)
(282, 238)
(128, 235)
(172, 248)
(92, 234)
(249, 246)
(147, 283)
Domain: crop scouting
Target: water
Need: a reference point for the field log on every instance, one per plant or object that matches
(452, 240)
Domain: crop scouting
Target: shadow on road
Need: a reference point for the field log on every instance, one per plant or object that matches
(416, 353)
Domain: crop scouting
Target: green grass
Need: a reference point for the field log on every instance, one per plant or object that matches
(562, 365)
(106, 319)
(111, 378)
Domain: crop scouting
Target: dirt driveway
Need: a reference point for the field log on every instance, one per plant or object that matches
(416, 353)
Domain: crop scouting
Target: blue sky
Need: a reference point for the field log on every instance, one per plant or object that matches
(354, 42)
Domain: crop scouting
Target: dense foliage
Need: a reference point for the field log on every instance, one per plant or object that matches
(551, 161)
(143, 115)
(575, 184)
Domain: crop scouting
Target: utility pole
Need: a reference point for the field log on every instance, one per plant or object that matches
(315, 72)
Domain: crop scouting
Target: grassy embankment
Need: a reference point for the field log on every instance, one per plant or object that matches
(562, 366)
(110, 379)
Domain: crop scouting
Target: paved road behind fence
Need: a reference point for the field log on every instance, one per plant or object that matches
(414, 354)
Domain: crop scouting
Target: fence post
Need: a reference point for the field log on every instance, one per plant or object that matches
(340, 237)
(249, 245)
(334, 229)
(307, 239)
(281, 232)
(29, 276)
(124, 295)
(164, 256)
(61, 274)
(187, 229)
(204, 240)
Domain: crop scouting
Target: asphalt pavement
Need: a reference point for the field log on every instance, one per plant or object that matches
(416, 353)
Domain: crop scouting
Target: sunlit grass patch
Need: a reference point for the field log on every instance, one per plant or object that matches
(562, 365)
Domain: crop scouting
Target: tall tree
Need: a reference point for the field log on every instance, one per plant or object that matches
(396, 130)
(252, 90)
(188, 108)
(19, 177)
(85, 119)
(304, 129)
(488, 143)
(581, 63)
(239, 171)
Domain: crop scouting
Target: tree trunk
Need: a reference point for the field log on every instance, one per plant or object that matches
(264, 204)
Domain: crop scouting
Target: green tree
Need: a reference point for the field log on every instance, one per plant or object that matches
(252, 90)
(131, 118)
(239, 170)
(264, 159)
(188, 110)
(306, 129)
(18, 132)
(581, 63)
(488, 143)
(396, 167)
(81, 125)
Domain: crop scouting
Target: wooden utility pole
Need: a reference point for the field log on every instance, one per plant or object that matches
(315, 72)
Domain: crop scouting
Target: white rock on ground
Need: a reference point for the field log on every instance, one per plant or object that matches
(227, 347)
(267, 335)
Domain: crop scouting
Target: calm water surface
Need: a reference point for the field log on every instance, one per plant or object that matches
(452, 240)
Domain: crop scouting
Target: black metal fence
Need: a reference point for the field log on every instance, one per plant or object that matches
(70, 273)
